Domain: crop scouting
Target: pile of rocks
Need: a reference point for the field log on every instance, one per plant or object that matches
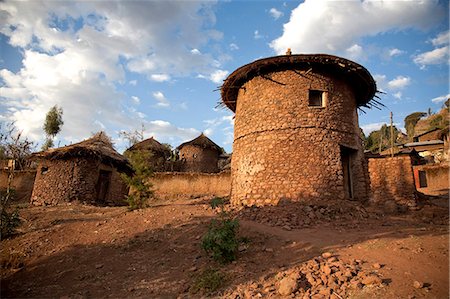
(291, 215)
(325, 276)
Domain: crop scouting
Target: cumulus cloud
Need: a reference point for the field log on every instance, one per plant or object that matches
(395, 52)
(77, 55)
(441, 99)
(317, 26)
(136, 99)
(355, 52)
(399, 82)
(161, 98)
(234, 47)
(218, 76)
(439, 55)
(275, 13)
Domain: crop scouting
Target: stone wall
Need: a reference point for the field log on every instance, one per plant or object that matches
(59, 181)
(198, 159)
(283, 148)
(22, 183)
(169, 185)
(391, 179)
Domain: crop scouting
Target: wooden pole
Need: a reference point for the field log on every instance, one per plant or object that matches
(392, 135)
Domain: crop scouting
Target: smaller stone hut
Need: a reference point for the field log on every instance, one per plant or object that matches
(158, 153)
(200, 155)
(87, 172)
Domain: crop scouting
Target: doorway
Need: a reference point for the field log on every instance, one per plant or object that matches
(347, 155)
(104, 180)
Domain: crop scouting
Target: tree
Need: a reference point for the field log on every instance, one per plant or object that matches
(14, 148)
(133, 137)
(411, 121)
(380, 140)
(52, 125)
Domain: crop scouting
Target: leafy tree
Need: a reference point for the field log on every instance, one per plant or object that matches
(381, 139)
(140, 187)
(411, 121)
(52, 125)
(15, 148)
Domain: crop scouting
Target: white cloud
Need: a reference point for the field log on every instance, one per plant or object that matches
(399, 82)
(398, 95)
(443, 38)
(257, 35)
(441, 99)
(218, 76)
(196, 52)
(234, 47)
(136, 99)
(79, 66)
(159, 77)
(355, 52)
(275, 13)
(161, 98)
(395, 52)
(433, 57)
(334, 26)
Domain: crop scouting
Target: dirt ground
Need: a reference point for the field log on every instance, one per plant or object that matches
(76, 251)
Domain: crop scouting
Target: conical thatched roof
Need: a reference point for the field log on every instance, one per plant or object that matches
(150, 144)
(98, 147)
(203, 142)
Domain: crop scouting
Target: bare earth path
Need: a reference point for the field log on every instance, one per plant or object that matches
(91, 252)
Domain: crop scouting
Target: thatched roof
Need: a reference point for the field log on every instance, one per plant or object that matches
(356, 75)
(203, 142)
(150, 144)
(98, 147)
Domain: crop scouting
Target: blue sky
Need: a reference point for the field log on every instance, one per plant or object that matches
(115, 65)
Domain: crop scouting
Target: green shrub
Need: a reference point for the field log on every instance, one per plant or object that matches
(140, 187)
(10, 221)
(217, 202)
(208, 281)
(221, 240)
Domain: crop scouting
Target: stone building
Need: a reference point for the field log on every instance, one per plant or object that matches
(87, 172)
(199, 155)
(296, 129)
(158, 154)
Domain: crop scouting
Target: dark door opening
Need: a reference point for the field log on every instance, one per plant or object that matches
(104, 179)
(346, 159)
(422, 179)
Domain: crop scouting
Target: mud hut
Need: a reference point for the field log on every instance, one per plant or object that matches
(296, 133)
(87, 172)
(158, 154)
(199, 155)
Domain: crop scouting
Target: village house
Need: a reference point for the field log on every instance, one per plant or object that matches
(157, 154)
(87, 172)
(296, 129)
(199, 155)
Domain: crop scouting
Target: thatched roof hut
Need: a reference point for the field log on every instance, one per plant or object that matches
(158, 153)
(88, 172)
(200, 155)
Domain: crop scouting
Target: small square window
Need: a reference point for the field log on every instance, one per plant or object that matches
(316, 98)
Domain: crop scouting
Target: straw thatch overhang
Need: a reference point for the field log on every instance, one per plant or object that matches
(356, 75)
(98, 147)
(203, 142)
(150, 144)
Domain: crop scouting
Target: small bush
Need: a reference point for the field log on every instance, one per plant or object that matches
(209, 281)
(217, 202)
(138, 182)
(10, 221)
(221, 240)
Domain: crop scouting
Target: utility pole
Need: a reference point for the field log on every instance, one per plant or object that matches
(392, 135)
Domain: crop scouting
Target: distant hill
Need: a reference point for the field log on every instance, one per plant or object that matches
(438, 120)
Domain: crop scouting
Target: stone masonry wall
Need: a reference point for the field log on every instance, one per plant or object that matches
(285, 149)
(197, 159)
(169, 185)
(391, 179)
(59, 181)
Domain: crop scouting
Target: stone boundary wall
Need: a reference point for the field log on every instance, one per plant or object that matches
(180, 184)
(437, 176)
(22, 183)
(391, 179)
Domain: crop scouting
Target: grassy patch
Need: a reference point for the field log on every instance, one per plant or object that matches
(208, 281)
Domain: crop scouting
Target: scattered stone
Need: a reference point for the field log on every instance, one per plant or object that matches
(327, 255)
(288, 285)
(376, 266)
(98, 266)
(371, 280)
(418, 284)
(268, 250)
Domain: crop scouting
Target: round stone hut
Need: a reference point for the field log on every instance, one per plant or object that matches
(87, 172)
(199, 155)
(296, 133)
(158, 153)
